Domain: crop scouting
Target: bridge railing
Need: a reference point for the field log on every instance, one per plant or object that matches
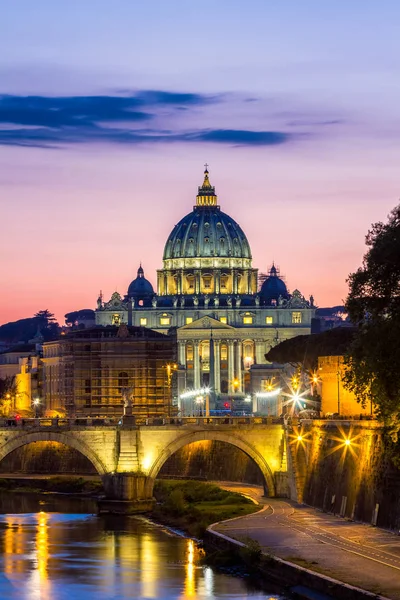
(43, 422)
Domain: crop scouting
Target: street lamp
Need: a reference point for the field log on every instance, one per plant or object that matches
(36, 404)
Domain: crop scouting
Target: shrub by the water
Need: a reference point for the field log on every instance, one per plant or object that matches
(194, 505)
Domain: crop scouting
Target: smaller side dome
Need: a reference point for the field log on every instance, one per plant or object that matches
(140, 287)
(273, 287)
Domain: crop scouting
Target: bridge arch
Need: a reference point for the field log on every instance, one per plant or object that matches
(219, 436)
(50, 436)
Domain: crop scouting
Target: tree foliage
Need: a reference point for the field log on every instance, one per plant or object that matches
(373, 303)
(24, 330)
(303, 350)
(72, 317)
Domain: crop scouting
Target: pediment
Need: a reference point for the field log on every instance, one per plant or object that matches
(206, 322)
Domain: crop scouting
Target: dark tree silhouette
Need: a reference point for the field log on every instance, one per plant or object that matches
(373, 303)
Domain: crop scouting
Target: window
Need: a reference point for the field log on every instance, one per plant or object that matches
(224, 352)
(143, 322)
(247, 320)
(269, 320)
(189, 320)
(165, 320)
(207, 282)
(116, 320)
(296, 317)
(223, 320)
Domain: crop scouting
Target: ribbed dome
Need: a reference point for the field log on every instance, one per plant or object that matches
(140, 287)
(273, 287)
(207, 231)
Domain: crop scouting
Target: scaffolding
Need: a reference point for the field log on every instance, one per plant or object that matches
(89, 369)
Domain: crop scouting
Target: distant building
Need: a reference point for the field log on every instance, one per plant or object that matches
(226, 320)
(335, 398)
(23, 362)
(90, 371)
(330, 318)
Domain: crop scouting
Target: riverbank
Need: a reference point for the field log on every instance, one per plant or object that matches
(69, 485)
(193, 506)
(310, 549)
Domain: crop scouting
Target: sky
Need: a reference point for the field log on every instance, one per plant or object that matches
(108, 112)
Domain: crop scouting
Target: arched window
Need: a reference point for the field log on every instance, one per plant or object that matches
(248, 354)
(123, 380)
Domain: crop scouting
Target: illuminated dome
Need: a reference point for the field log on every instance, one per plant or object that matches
(207, 231)
(140, 287)
(273, 287)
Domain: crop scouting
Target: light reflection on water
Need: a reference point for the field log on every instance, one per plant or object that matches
(55, 556)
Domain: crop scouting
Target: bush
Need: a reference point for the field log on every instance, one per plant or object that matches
(176, 502)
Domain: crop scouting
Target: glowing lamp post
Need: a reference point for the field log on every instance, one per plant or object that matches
(36, 404)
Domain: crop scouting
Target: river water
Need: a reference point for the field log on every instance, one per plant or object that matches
(57, 548)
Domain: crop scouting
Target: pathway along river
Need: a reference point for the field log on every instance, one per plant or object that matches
(57, 548)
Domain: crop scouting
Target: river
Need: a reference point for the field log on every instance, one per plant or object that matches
(57, 548)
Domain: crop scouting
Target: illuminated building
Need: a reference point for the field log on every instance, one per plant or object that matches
(23, 363)
(335, 398)
(209, 291)
(88, 371)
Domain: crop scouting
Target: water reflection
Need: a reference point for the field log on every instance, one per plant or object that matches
(58, 555)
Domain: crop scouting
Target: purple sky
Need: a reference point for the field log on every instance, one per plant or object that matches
(109, 111)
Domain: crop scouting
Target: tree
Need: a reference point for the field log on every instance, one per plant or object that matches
(8, 391)
(303, 351)
(45, 317)
(373, 303)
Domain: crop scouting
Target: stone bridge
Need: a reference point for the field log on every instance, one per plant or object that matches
(129, 457)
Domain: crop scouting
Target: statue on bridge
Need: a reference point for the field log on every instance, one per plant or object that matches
(128, 417)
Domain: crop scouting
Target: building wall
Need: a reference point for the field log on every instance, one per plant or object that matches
(88, 374)
(356, 481)
(335, 398)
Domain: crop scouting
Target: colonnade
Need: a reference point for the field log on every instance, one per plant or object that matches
(238, 281)
(234, 363)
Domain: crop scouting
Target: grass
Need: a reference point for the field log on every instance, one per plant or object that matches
(194, 505)
(63, 485)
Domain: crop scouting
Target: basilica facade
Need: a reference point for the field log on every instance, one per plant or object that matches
(225, 319)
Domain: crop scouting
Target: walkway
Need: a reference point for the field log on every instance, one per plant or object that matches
(361, 555)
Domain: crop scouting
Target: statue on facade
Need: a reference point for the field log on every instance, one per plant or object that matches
(216, 302)
(154, 302)
(312, 301)
(257, 300)
(175, 301)
(238, 301)
(195, 301)
(206, 301)
(133, 302)
(100, 301)
(182, 302)
(229, 301)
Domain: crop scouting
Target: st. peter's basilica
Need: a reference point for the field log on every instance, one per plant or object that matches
(210, 293)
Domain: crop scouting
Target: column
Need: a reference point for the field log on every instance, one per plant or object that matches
(196, 364)
(217, 368)
(165, 290)
(235, 282)
(197, 282)
(231, 372)
(182, 353)
(259, 351)
(217, 281)
(182, 282)
(239, 365)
